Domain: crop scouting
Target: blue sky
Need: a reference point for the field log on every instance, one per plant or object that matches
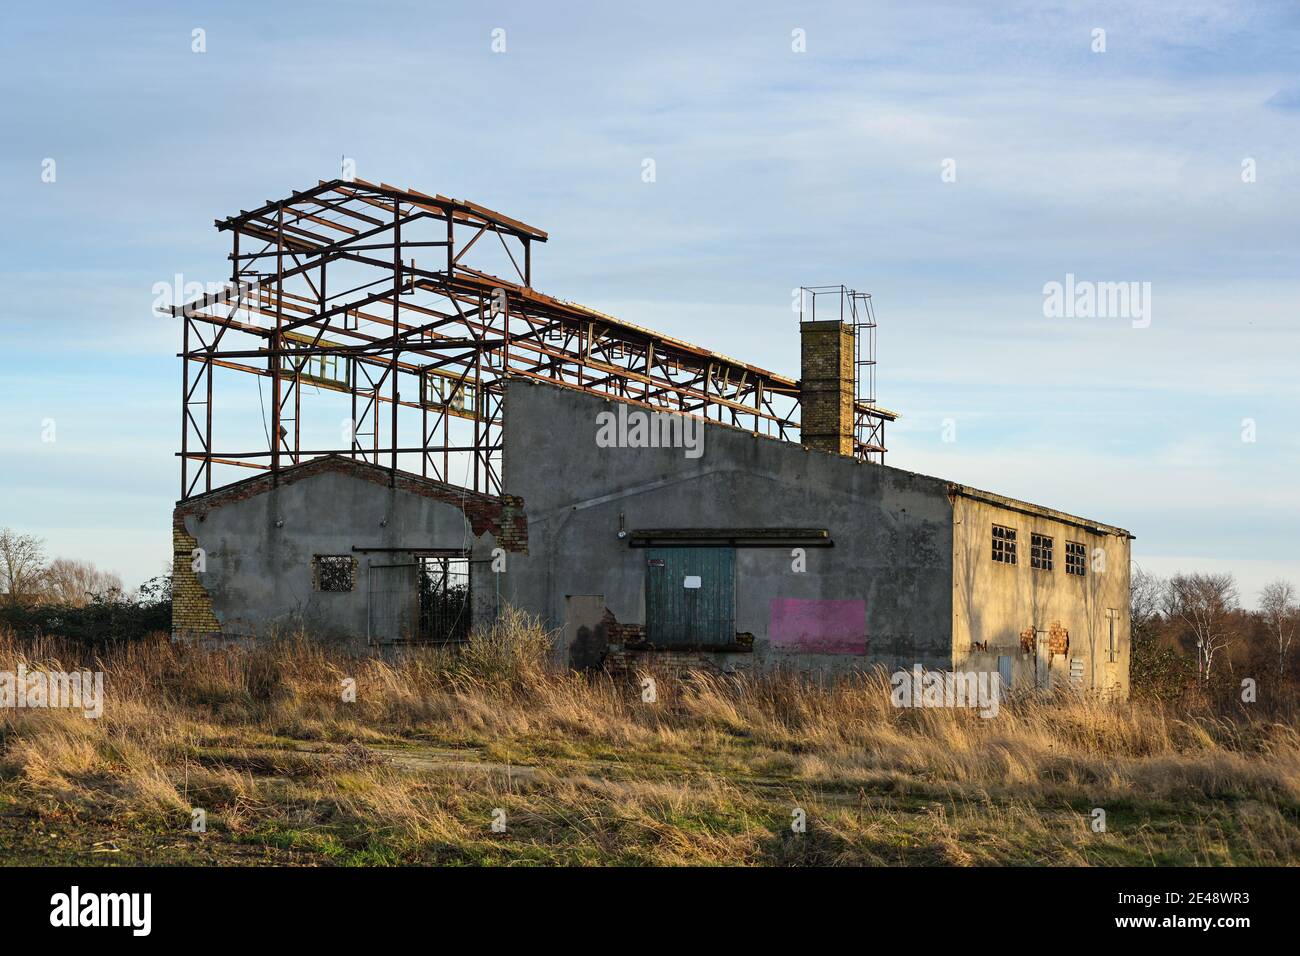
(774, 168)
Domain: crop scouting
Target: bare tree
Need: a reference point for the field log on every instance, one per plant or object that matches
(1205, 603)
(75, 583)
(22, 566)
(1147, 596)
(1278, 604)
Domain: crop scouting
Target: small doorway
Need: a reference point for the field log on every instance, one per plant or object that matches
(1043, 664)
(584, 630)
(1005, 673)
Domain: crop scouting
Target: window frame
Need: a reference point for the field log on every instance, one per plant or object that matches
(441, 391)
(318, 577)
(322, 366)
(1041, 556)
(1004, 544)
(1076, 558)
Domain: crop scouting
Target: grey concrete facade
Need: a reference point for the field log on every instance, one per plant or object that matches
(913, 550)
(892, 530)
(908, 579)
(259, 540)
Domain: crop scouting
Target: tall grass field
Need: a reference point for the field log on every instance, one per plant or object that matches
(291, 754)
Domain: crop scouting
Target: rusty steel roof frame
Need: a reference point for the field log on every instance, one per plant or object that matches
(470, 330)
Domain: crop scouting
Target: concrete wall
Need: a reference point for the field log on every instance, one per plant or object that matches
(258, 579)
(909, 580)
(892, 530)
(994, 603)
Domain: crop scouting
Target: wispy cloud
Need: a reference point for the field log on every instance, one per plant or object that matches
(774, 169)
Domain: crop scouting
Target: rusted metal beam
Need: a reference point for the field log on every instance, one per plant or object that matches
(451, 337)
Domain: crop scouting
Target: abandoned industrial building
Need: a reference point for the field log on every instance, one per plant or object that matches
(432, 442)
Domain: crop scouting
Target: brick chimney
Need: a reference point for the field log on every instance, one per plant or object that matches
(826, 386)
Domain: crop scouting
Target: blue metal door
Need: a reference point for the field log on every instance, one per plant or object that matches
(690, 596)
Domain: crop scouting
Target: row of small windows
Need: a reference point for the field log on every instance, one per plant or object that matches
(1040, 551)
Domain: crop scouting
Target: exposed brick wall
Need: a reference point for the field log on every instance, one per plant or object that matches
(621, 659)
(512, 526)
(191, 606)
(826, 386)
(623, 654)
(622, 633)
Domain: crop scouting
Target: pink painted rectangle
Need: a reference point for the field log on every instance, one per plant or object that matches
(818, 627)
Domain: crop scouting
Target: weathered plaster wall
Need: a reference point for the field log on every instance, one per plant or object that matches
(892, 529)
(909, 580)
(993, 602)
(258, 577)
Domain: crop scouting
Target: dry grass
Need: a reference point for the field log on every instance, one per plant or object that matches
(586, 773)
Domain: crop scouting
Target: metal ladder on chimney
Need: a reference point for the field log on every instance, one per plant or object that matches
(855, 310)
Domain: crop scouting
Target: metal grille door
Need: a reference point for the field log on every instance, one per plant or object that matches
(445, 608)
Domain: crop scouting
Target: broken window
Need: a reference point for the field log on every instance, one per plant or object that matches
(1004, 544)
(1040, 552)
(321, 367)
(327, 368)
(334, 572)
(1112, 622)
(1076, 558)
(440, 391)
